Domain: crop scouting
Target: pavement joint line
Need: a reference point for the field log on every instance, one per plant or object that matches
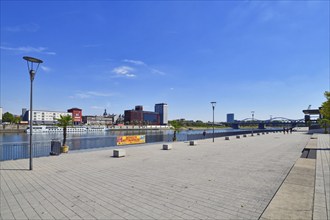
(235, 179)
(276, 191)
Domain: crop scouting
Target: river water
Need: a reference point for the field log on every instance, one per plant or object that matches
(16, 146)
(7, 138)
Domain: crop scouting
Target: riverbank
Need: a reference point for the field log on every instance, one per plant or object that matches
(22, 128)
(13, 128)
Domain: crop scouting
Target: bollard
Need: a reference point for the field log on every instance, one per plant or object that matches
(238, 137)
(227, 138)
(192, 143)
(244, 135)
(119, 153)
(167, 146)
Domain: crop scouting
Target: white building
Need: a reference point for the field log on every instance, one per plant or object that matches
(162, 109)
(44, 117)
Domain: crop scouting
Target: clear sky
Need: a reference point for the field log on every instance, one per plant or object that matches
(271, 57)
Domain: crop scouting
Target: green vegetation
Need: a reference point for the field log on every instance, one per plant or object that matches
(325, 112)
(187, 124)
(64, 122)
(8, 117)
(177, 125)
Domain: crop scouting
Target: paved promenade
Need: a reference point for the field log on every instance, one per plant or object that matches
(228, 179)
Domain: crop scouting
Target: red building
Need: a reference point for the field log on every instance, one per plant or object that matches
(139, 116)
(76, 115)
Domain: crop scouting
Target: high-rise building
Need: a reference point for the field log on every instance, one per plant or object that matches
(139, 116)
(162, 109)
(230, 118)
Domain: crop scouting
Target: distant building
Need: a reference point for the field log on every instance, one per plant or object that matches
(138, 116)
(99, 120)
(76, 115)
(42, 117)
(162, 109)
(230, 118)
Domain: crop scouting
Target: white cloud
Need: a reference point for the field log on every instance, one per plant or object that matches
(96, 107)
(124, 71)
(32, 27)
(45, 68)
(136, 62)
(141, 63)
(155, 71)
(90, 94)
(28, 49)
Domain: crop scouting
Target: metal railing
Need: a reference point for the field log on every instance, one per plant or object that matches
(13, 151)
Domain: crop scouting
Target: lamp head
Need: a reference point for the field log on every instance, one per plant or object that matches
(32, 59)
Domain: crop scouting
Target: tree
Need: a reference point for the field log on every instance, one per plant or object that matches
(8, 117)
(17, 120)
(176, 126)
(64, 122)
(325, 112)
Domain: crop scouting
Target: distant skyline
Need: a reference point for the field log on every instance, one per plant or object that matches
(270, 57)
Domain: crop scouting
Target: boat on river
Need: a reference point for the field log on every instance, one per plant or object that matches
(71, 129)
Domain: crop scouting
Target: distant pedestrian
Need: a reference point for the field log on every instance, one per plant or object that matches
(283, 130)
(291, 130)
(204, 134)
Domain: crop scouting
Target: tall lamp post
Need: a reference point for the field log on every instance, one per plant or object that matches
(252, 112)
(213, 106)
(30, 62)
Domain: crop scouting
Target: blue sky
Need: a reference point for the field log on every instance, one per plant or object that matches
(271, 57)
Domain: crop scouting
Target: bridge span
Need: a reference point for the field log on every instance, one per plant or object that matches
(273, 122)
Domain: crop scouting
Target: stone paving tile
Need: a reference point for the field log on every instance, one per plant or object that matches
(233, 179)
(322, 181)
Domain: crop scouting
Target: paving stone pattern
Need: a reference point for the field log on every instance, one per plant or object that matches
(233, 179)
(322, 180)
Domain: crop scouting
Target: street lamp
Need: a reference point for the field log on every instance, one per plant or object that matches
(30, 61)
(252, 112)
(213, 106)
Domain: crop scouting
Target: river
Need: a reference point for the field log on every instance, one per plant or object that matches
(16, 146)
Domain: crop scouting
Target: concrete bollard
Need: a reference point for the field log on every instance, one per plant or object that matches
(238, 137)
(192, 143)
(167, 146)
(244, 135)
(227, 138)
(119, 153)
(263, 133)
(258, 133)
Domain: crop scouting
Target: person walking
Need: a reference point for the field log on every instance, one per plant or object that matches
(204, 134)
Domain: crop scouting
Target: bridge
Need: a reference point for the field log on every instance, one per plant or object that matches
(273, 122)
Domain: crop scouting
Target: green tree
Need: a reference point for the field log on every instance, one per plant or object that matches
(64, 122)
(8, 117)
(325, 112)
(176, 126)
(17, 120)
